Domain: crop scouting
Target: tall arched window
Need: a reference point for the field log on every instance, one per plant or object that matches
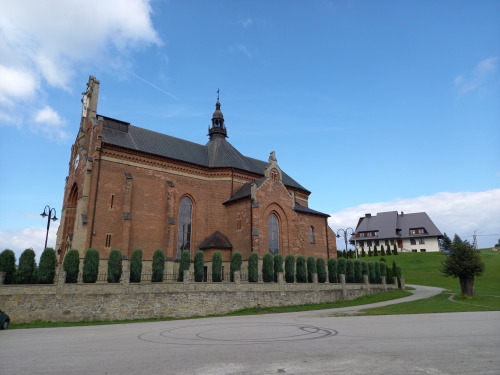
(274, 234)
(184, 226)
(311, 234)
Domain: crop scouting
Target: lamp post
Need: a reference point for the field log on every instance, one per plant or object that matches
(49, 213)
(345, 233)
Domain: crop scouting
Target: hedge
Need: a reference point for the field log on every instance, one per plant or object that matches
(341, 266)
(198, 266)
(290, 268)
(158, 266)
(90, 266)
(311, 268)
(236, 261)
(377, 272)
(216, 267)
(321, 270)
(183, 265)
(301, 269)
(371, 272)
(8, 265)
(115, 266)
(26, 272)
(349, 271)
(278, 266)
(47, 267)
(136, 266)
(71, 265)
(358, 275)
(267, 268)
(332, 270)
(253, 268)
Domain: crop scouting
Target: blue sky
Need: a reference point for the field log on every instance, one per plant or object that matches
(371, 105)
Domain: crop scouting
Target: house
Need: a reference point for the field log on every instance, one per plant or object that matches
(410, 232)
(129, 187)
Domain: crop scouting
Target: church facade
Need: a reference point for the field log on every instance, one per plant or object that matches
(129, 187)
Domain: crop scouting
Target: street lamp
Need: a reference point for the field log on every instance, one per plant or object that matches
(49, 213)
(345, 233)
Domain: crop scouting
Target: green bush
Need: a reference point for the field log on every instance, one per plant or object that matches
(388, 251)
(136, 266)
(71, 265)
(383, 271)
(371, 272)
(377, 272)
(382, 259)
(382, 251)
(301, 270)
(341, 264)
(364, 269)
(395, 250)
(363, 253)
(26, 272)
(8, 265)
(358, 276)
(47, 267)
(278, 266)
(217, 267)
(332, 270)
(389, 276)
(349, 271)
(375, 251)
(253, 268)
(267, 268)
(236, 261)
(370, 252)
(184, 265)
(199, 266)
(158, 266)
(90, 266)
(340, 254)
(290, 268)
(115, 266)
(311, 268)
(321, 270)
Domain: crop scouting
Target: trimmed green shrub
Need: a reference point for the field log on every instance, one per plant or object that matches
(388, 251)
(382, 259)
(301, 269)
(27, 266)
(375, 251)
(341, 264)
(8, 265)
(115, 266)
(321, 270)
(71, 265)
(389, 276)
(382, 251)
(344, 254)
(267, 268)
(332, 270)
(311, 268)
(370, 252)
(278, 266)
(290, 268)
(236, 261)
(184, 265)
(349, 271)
(47, 267)
(158, 266)
(364, 269)
(395, 250)
(340, 254)
(377, 272)
(371, 273)
(383, 271)
(253, 268)
(217, 267)
(136, 266)
(198, 266)
(90, 266)
(358, 277)
(363, 253)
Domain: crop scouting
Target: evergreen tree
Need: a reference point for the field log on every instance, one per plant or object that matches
(364, 269)
(236, 261)
(332, 270)
(136, 266)
(290, 268)
(26, 271)
(301, 269)
(278, 266)
(184, 265)
(349, 271)
(321, 270)
(371, 273)
(388, 252)
(71, 265)
(382, 250)
(445, 243)
(199, 265)
(267, 268)
(311, 268)
(90, 266)
(158, 266)
(47, 267)
(358, 278)
(253, 268)
(8, 265)
(395, 250)
(341, 266)
(363, 253)
(216, 267)
(375, 251)
(377, 272)
(115, 266)
(383, 271)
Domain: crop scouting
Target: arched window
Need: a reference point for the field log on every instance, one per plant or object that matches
(184, 226)
(274, 234)
(311, 234)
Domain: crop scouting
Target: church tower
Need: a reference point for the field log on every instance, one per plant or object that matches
(218, 128)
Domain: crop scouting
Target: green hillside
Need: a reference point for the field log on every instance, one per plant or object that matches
(423, 269)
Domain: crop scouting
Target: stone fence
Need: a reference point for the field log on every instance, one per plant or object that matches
(106, 301)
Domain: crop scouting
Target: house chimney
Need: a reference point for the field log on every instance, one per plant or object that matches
(368, 215)
(402, 213)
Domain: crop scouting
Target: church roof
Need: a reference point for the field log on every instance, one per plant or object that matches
(216, 241)
(307, 210)
(217, 153)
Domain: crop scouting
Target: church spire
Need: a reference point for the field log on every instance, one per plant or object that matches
(218, 128)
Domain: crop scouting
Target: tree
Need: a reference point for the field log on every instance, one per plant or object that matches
(311, 268)
(115, 266)
(382, 251)
(371, 273)
(71, 265)
(375, 251)
(290, 268)
(184, 265)
(26, 271)
(332, 270)
(349, 271)
(363, 253)
(47, 267)
(445, 243)
(236, 261)
(253, 268)
(278, 266)
(136, 266)
(395, 250)
(216, 267)
(464, 263)
(267, 268)
(358, 276)
(8, 265)
(370, 252)
(198, 266)
(301, 269)
(158, 266)
(341, 266)
(90, 266)
(321, 270)
(388, 251)
(498, 243)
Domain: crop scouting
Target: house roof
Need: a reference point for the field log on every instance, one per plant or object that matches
(217, 153)
(386, 224)
(216, 241)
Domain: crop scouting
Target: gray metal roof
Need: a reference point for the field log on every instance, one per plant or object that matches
(307, 210)
(386, 224)
(217, 153)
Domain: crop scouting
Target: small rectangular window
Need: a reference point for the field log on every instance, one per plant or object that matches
(112, 201)
(108, 240)
(421, 241)
(413, 241)
(422, 250)
(369, 243)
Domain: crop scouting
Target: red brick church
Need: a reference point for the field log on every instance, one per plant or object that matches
(129, 187)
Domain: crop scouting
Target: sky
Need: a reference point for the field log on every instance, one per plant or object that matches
(371, 105)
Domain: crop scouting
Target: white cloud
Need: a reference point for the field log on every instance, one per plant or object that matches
(44, 43)
(48, 122)
(21, 239)
(480, 74)
(460, 213)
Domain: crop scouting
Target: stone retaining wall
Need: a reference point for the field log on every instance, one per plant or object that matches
(85, 302)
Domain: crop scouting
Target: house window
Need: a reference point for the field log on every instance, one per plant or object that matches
(413, 250)
(108, 240)
(311, 234)
(369, 243)
(421, 241)
(361, 234)
(422, 250)
(392, 242)
(273, 229)
(361, 243)
(377, 242)
(387, 243)
(413, 241)
(184, 226)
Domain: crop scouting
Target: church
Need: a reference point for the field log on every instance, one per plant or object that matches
(129, 187)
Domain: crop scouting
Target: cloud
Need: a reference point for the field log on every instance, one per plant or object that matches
(480, 74)
(244, 49)
(21, 239)
(247, 22)
(461, 213)
(48, 122)
(44, 44)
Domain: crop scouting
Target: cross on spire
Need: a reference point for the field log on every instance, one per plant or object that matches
(218, 94)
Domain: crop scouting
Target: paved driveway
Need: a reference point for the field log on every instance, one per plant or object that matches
(292, 343)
